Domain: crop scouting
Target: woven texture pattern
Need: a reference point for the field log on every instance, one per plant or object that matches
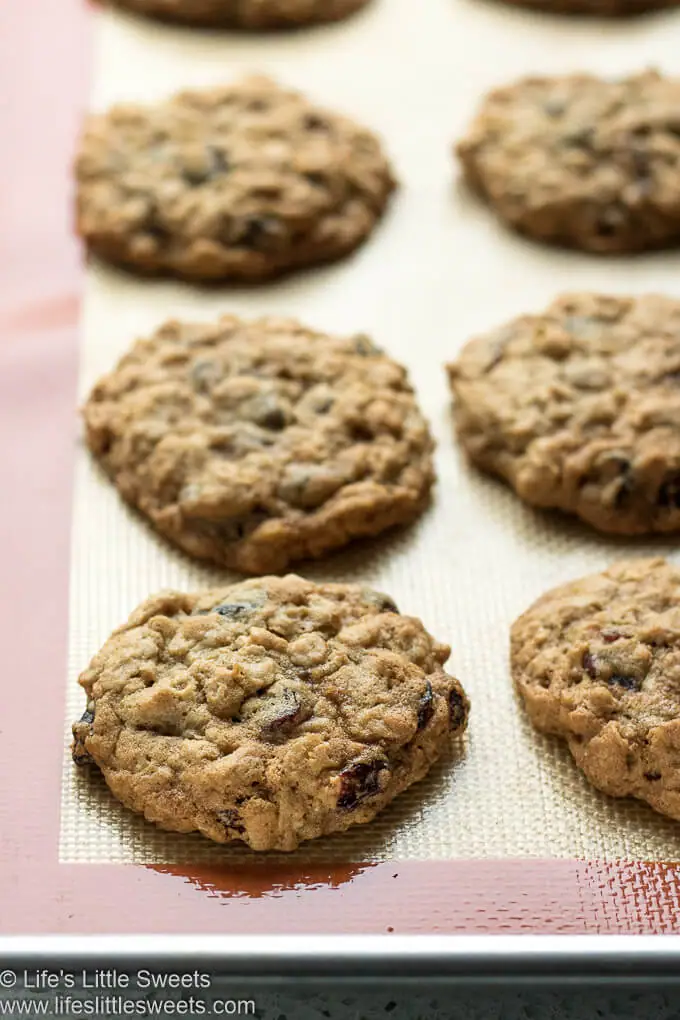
(437, 271)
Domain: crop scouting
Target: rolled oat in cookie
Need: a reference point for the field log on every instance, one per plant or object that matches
(581, 161)
(255, 444)
(271, 711)
(240, 182)
(597, 662)
(578, 409)
(248, 14)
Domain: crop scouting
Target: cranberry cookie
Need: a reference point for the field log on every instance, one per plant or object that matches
(249, 14)
(582, 161)
(242, 182)
(271, 711)
(596, 8)
(254, 444)
(597, 662)
(578, 409)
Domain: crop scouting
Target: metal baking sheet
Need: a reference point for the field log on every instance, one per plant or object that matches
(451, 856)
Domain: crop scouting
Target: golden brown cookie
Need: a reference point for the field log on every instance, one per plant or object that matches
(578, 409)
(581, 161)
(255, 444)
(597, 662)
(242, 182)
(271, 711)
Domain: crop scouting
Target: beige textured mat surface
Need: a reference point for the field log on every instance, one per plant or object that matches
(438, 270)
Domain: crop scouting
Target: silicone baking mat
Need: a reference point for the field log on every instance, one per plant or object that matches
(452, 854)
(435, 272)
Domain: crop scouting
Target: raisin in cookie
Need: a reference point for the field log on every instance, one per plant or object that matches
(254, 444)
(250, 14)
(597, 662)
(578, 409)
(581, 161)
(271, 711)
(242, 182)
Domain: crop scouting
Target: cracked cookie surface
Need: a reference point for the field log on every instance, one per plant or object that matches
(578, 409)
(597, 662)
(254, 444)
(249, 14)
(242, 182)
(581, 161)
(271, 711)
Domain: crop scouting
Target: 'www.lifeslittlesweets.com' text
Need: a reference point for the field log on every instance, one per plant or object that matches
(117, 1006)
(113, 993)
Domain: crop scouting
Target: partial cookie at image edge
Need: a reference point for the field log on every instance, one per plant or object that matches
(597, 663)
(248, 15)
(578, 409)
(614, 9)
(579, 161)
